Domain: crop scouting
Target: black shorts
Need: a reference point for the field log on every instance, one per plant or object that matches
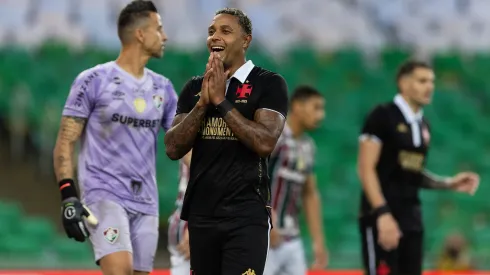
(407, 259)
(228, 246)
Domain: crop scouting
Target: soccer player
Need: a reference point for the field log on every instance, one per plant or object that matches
(231, 118)
(178, 235)
(393, 150)
(294, 185)
(117, 110)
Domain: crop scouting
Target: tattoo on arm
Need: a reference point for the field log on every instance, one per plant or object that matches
(260, 135)
(70, 130)
(180, 138)
(432, 181)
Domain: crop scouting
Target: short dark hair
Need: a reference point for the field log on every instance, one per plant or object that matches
(409, 66)
(133, 12)
(304, 92)
(243, 19)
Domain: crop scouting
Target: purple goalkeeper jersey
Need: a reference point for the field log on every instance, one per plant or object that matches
(119, 143)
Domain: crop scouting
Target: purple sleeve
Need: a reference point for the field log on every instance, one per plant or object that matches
(170, 107)
(80, 101)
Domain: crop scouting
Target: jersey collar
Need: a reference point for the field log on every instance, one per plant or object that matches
(242, 73)
(407, 112)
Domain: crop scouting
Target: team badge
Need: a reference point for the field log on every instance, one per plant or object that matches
(139, 105)
(157, 100)
(244, 91)
(111, 235)
(426, 135)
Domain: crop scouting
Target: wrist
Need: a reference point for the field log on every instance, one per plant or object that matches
(224, 107)
(67, 189)
(201, 104)
(218, 101)
(382, 210)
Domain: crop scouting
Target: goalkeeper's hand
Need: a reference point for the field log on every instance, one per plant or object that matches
(73, 213)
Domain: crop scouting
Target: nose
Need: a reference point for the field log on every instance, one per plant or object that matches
(215, 37)
(164, 37)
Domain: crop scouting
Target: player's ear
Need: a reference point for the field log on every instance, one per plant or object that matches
(139, 34)
(246, 41)
(403, 83)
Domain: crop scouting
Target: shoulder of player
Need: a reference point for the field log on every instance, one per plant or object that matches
(96, 72)
(195, 83)
(266, 75)
(383, 109)
(158, 78)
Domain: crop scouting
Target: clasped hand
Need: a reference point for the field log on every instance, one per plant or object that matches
(214, 82)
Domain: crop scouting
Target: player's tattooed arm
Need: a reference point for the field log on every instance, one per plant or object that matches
(70, 130)
(260, 135)
(180, 138)
(432, 181)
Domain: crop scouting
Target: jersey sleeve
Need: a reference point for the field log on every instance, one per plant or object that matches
(375, 126)
(275, 97)
(80, 101)
(170, 107)
(184, 104)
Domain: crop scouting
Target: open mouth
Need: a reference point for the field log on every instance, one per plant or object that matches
(217, 49)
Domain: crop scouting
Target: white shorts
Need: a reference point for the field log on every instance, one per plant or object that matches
(119, 230)
(287, 259)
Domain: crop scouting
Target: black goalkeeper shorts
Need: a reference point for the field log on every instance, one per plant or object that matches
(228, 246)
(407, 259)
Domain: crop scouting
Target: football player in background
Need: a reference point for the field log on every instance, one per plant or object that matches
(293, 184)
(178, 235)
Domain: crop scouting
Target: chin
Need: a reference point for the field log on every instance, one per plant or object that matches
(157, 55)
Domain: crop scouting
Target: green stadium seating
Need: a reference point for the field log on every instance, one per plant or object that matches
(352, 86)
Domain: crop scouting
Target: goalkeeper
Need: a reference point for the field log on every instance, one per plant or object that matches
(117, 109)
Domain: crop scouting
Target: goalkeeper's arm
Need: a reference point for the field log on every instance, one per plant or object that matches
(70, 131)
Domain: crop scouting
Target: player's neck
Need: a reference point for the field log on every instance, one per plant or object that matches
(132, 61)
(233, 68)
(295, 126)
(413, 106)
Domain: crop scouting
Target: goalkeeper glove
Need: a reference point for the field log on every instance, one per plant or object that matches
(74, 213)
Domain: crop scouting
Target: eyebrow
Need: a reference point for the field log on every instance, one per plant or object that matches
(212, 27)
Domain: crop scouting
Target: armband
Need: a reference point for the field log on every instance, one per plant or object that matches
(384, 209)
(224, 107)
(67, 189)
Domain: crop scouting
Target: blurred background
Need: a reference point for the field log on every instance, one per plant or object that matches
(349, 49)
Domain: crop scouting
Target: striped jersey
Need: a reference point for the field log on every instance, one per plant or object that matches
(177, 226)
(290, 165)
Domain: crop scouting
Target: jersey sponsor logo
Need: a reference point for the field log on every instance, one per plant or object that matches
(249, 272)
(243, 92)
(139, 105)
(157, 101)
(216, 128)
(83, 89)
(111, 234)
(135, 122)
(411, 161)
(402, 128)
